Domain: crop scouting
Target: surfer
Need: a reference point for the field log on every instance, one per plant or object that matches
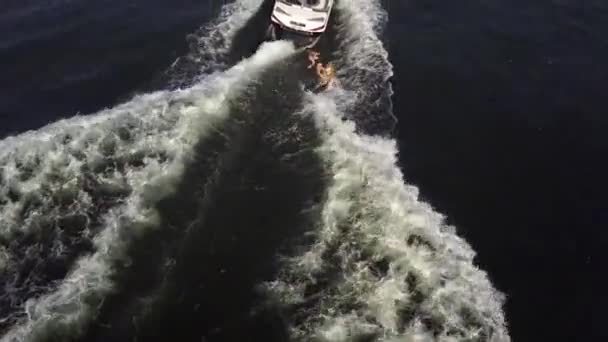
(326, 75)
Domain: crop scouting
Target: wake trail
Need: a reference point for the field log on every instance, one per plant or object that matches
(211, 44)
(109, 170)
(363, 65)
(385, 266)
(250, 179)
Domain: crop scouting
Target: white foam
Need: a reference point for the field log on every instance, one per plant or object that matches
(163, 127)
(372, 218)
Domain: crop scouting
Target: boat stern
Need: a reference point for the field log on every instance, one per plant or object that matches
(302, 19)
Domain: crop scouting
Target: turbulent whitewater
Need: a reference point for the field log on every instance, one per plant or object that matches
(377, 264)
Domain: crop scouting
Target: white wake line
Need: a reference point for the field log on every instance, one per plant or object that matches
(221, 30)
(215, 38)
(360, 20)
(74, 303)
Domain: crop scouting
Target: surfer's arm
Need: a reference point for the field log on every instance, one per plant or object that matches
(312, 63)
(313, 56)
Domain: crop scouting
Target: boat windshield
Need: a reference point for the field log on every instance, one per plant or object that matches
(315, 4)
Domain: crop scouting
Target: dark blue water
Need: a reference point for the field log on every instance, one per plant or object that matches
(501, 122)
(66, 57)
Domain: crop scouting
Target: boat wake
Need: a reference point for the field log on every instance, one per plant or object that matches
(78, 192)
(373, 264)
(384, 266)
